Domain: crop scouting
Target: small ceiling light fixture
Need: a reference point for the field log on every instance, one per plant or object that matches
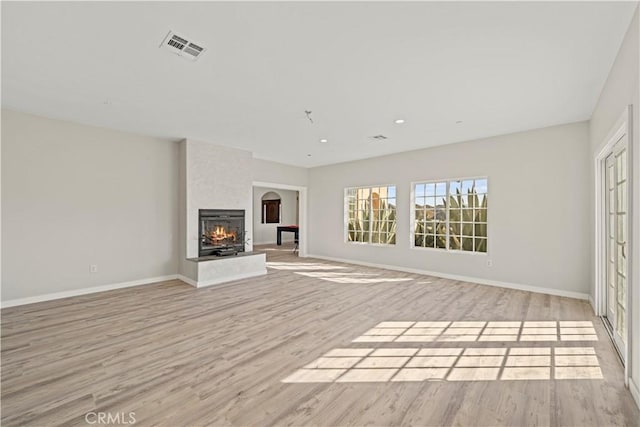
(458, 122)
(308, 155)
(398, 121)
(324, 140)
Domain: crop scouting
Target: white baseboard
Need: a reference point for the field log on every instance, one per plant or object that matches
(517, 286)
(635, 391)
(187, 280)
(273, 242)
(85, 291)
(593, 305)
(221, 280)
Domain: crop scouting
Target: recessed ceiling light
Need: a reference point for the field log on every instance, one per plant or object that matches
(324, 140)
(398, 121)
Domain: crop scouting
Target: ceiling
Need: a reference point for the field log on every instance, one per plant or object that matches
(495, 67)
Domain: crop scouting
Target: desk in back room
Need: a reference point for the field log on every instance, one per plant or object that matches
(290, 228)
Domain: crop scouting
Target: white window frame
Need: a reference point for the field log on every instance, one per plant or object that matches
(346, 215)
(412, 216)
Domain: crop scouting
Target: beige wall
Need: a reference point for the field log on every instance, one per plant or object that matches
(622, 89)
(538, 208)
(278, 173)
(75, 195)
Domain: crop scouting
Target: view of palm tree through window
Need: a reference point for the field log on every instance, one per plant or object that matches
(371, 213)
(451, 215)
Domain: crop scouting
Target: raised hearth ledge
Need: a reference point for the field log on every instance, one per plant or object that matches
(211, 270)
(219, 258)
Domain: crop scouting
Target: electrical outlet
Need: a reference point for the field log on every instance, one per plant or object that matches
(93, 268)
(489, 263)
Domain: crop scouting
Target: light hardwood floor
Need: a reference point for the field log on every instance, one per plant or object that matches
(177, 356)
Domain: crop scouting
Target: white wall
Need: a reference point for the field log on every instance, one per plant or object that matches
(266, 233)
(538, 207)
(621, 89)
(75, 195)
(278, 173)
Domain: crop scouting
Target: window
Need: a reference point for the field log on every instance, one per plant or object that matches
(371, 215)
(451, 215)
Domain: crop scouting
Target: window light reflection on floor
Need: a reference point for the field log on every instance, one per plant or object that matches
(322, 272)
(506, 363)
(450, 364)
(480, 331)
(353, 277)
(303, 266)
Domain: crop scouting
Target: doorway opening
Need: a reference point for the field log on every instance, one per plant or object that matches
(279, 219)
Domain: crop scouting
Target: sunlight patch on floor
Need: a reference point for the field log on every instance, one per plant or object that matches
(303, 266)
(345, 365)
(353, 277)
(480, 331)
(323, 272)
(507, 362)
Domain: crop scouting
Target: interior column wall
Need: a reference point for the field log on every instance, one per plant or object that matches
(212, 177)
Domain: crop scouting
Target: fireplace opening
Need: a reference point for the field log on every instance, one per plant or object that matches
(221, 231)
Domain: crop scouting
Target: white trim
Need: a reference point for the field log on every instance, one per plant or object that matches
(412, 213)
(593, 305)
(618, 131)
(448, 251)
(220, 280)
(273, 242)
(85, 291)
(302, 210)
(635, 391)
(187, 280)
(622, 128)
(477, 280)
(345, 220)
(276, 185)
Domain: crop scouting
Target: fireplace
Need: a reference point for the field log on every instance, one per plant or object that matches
(221, 231)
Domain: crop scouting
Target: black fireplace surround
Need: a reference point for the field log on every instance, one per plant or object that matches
(221, 231)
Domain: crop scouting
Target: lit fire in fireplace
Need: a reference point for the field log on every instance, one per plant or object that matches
(220, 234)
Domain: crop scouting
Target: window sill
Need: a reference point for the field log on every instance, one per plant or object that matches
(384, 245)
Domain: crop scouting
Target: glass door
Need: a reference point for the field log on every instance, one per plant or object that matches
(616, 201)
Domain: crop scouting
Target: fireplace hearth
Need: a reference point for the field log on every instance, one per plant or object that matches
(221, 232)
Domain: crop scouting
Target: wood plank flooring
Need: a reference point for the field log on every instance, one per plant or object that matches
(175, 355)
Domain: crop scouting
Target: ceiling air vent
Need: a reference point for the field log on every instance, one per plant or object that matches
(378, 137)
(182, 46)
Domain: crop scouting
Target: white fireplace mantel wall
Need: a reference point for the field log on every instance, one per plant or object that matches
(211, 177)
